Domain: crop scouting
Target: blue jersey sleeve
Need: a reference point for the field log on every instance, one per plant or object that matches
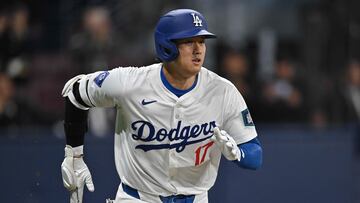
(251, 154)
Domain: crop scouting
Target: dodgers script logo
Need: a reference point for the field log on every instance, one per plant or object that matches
(145, 131)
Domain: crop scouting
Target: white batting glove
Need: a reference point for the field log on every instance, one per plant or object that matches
(226, 144)
(75, 173)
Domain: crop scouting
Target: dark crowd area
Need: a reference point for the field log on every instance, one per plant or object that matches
(301, 65)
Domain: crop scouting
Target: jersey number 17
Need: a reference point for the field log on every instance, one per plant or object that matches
(201, 152)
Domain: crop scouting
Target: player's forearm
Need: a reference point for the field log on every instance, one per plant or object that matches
(75, 124)
(252, 155)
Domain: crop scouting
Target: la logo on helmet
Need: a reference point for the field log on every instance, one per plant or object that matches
(197, 20)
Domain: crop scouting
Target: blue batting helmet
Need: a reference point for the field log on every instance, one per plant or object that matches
(178, 24)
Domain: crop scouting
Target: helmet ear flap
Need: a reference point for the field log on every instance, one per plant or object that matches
(166, 49)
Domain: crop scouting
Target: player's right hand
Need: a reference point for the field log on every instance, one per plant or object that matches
(75, 173)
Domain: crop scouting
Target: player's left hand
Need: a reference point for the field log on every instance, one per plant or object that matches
(226, 144)
(75, 175)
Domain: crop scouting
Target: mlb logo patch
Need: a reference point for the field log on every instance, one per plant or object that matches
(100, 78)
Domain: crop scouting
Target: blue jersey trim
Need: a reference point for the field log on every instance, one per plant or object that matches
(174, 90)
(130, 191)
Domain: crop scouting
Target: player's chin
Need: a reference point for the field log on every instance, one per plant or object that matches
(192, 70)
(195, 68)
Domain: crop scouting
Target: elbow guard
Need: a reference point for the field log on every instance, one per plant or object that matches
(76, 89)
(77, 103)
(251, 155)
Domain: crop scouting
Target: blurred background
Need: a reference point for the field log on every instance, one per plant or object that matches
(296, 62)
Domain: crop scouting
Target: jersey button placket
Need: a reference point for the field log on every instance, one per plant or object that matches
(172, 158)
(177, 111)
(172, 152)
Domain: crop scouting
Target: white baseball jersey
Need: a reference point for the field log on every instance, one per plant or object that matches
(162, 144)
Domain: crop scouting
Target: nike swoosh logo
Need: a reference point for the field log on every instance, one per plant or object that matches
(143, 102)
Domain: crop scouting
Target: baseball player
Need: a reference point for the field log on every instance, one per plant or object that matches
(174, 120)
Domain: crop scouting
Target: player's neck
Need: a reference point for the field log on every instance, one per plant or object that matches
(177, 80)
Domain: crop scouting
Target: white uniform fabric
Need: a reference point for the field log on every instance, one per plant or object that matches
(162, 144)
